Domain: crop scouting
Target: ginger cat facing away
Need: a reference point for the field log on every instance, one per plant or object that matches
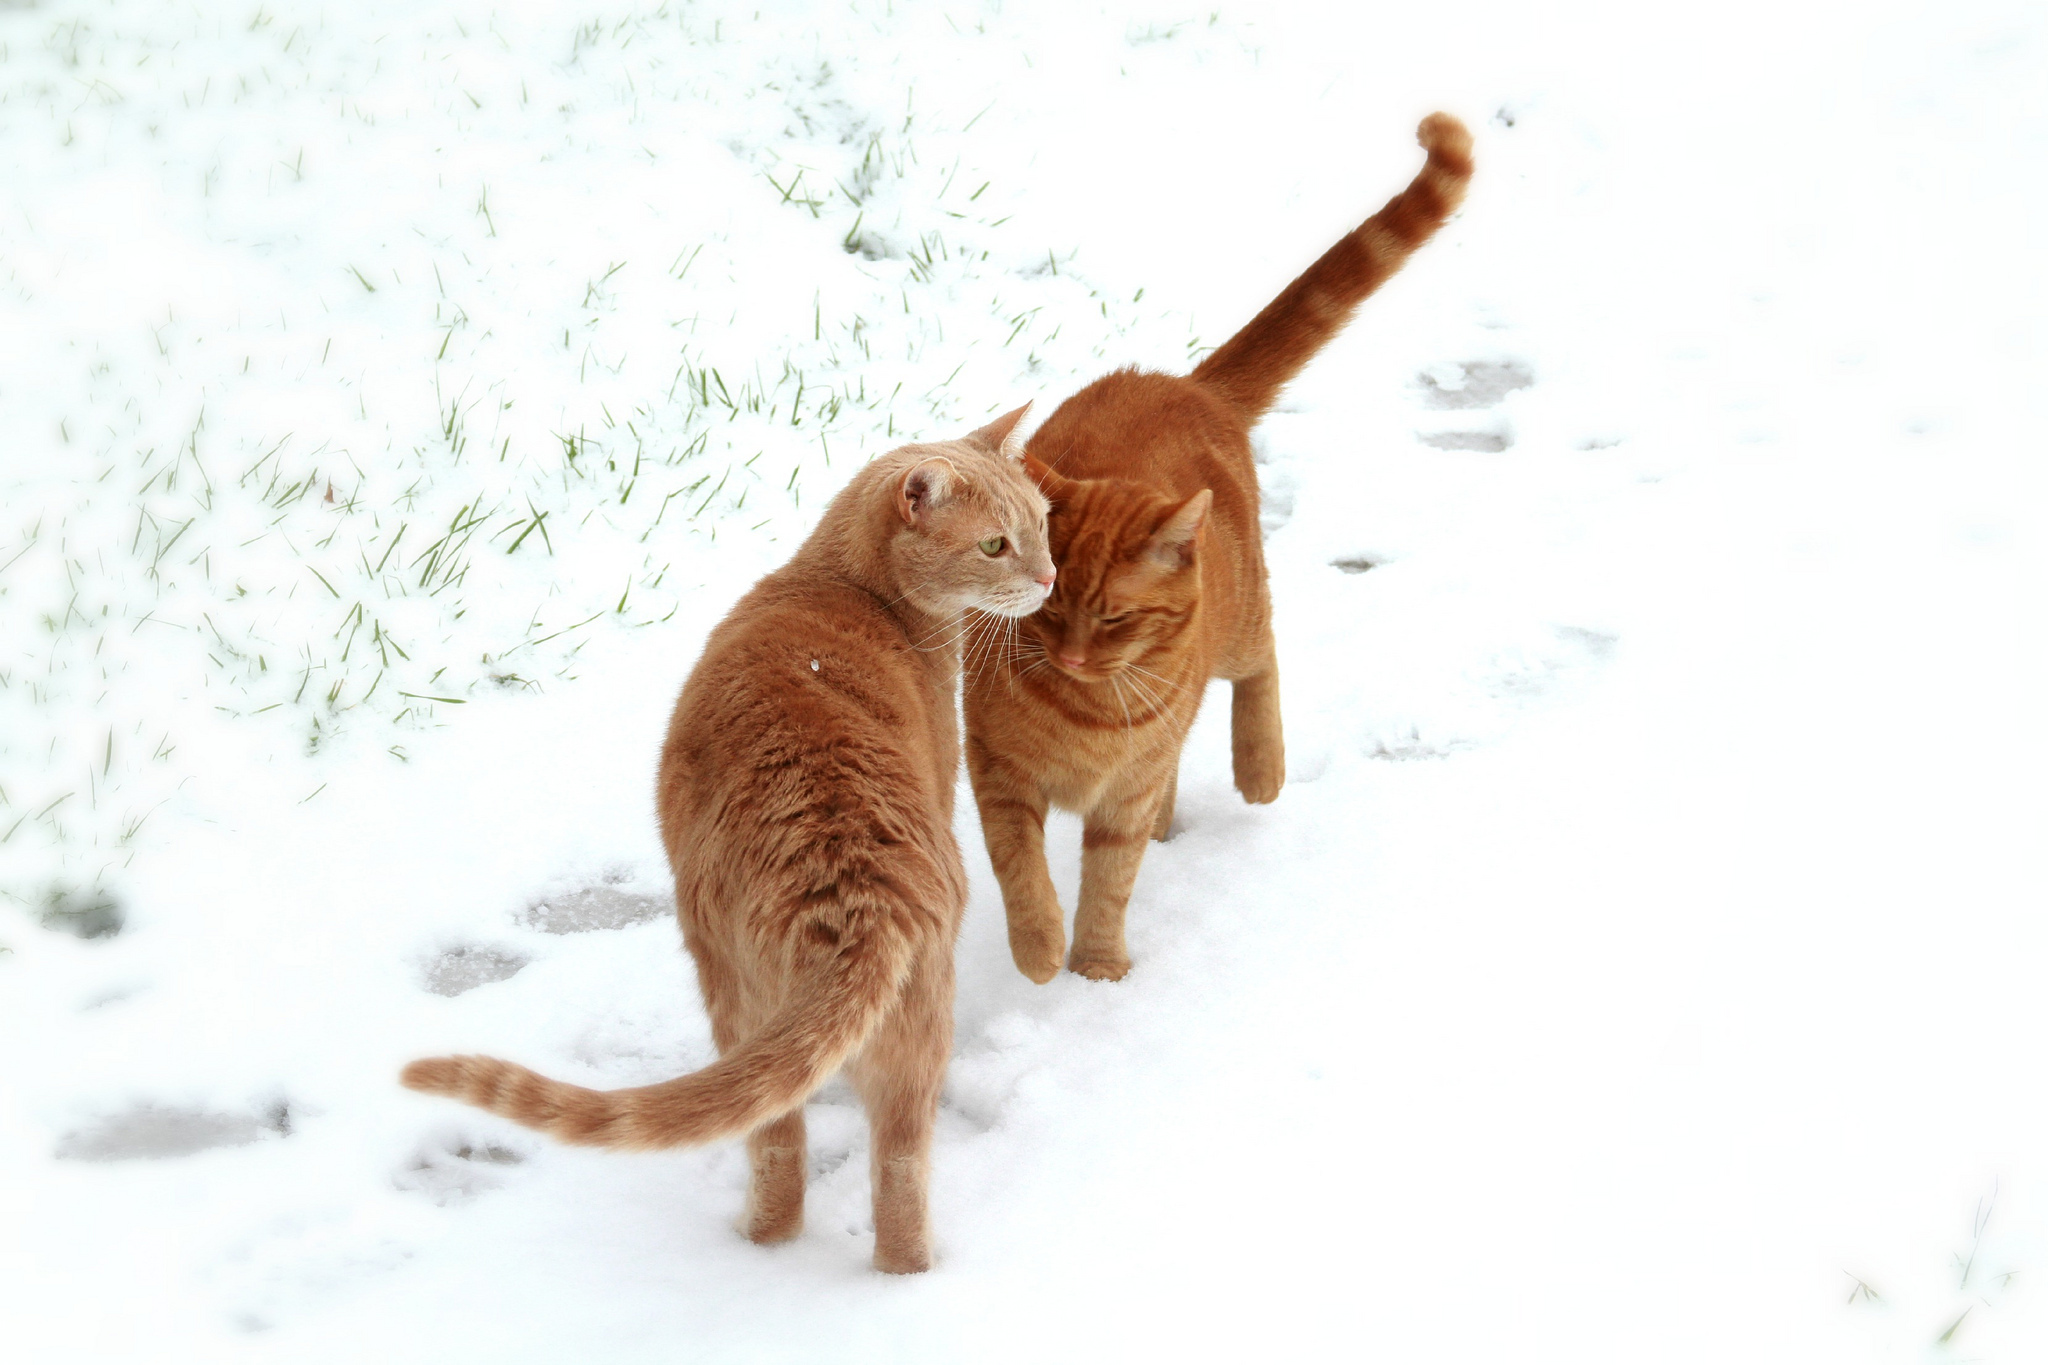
(1162, 586)
(806, 803)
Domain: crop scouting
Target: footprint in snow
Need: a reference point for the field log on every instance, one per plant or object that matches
(1487, 442)
(1473, 384)
(154, 1132)
(456, 1169)
(463, 969)
(1483, 706)
(1469, 386)
(1531, 672)
(595, 907)
(83, 914)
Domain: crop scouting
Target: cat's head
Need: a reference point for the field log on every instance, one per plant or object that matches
(971, 532)
(1130, 574)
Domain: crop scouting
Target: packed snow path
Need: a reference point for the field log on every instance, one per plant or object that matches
(1643, 962)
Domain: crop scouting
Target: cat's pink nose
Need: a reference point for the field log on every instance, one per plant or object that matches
(1046, 582)
(1073, 660)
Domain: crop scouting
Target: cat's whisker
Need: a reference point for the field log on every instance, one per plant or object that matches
(1146, 694)
(1117, 683)
(994, 646)
(1042, 661)
(1140, 668)
(977, 638)
(1160, 705)
(1006, 638)
(959, 626)
(1168, 683)
(1170, 688)
(1001, 649)
(988, 629)
(1012, 642)
(918, 587)
(970, 628)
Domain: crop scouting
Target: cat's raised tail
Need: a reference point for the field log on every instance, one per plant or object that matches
(1250, 369)
(846, 990)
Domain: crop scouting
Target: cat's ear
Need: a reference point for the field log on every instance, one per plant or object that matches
(1002, 435)
(926, 485)
(1173, 544)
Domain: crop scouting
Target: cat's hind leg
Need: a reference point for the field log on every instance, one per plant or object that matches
(898, 1074)
(776, 1151)
(1258, 753)
(775, 1196)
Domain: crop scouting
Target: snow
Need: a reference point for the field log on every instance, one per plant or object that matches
(1643, 962)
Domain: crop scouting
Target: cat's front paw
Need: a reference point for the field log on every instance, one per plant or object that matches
(767, 1230)
(1097, 968)
(1037, 949)
(1260, 777)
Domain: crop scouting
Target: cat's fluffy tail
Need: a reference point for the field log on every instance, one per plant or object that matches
(1250, 369)
(794, 1053)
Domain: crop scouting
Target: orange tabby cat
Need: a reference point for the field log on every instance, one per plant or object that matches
(806, 802)
(1162, 586)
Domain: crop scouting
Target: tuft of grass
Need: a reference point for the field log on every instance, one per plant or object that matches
(1977, 1290)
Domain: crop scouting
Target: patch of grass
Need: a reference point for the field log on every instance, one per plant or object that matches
(445, 473)
(1979, 1279)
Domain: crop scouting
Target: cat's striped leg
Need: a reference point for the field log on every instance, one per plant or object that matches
(775, 1196)
(899, 1073)
(1113, 839)
(1162, 820)
(1013, 825)
(776, 1151)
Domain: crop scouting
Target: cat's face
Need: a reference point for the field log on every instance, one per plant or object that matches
(974, 533)
(1129, 581)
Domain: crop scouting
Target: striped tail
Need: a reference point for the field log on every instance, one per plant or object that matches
(1250, 369)
(764, 1077)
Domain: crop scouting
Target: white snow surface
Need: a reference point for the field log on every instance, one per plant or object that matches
(1643, 963)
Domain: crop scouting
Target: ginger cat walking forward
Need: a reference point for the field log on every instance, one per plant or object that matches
(806, 802)
(1162, 586)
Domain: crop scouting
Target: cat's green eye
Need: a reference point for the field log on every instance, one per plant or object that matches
(993, 545)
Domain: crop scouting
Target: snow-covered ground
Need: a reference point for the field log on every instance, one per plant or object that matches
(1644, 962)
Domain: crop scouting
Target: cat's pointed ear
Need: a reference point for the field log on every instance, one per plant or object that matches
(1002, 435)
(926, 485)
(1049, 480)
(1173, 544)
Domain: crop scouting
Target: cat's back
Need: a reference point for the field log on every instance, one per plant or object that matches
(1159, 429)
(810, 721)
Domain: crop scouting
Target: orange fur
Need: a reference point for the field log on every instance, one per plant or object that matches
(806, 803)
(1162, 586)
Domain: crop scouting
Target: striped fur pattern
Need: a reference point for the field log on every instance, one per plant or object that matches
(1162, 586)
(806, 803)
(1249, 370)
